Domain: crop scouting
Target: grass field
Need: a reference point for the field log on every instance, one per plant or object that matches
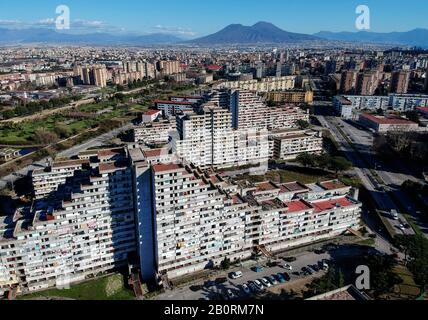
(107, 288)
(284, 176)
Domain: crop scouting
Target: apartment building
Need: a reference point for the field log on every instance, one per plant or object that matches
(95, 75)
(289, 144)
(169, 67)
(207, 138)
(268, 84)
(84, 229)
(348, 106)
(198, 218)
(172, 108)
(291, 96)
(154, 133)
(400, 82)
(249, 111)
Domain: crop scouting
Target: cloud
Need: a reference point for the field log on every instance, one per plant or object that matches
(10, 22)
(175, 30)
(76, 26)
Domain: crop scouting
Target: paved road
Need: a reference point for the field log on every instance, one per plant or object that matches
(362, 168)
(98, 141)
(393, 175)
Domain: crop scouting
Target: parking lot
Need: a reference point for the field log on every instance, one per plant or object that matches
(214, 290)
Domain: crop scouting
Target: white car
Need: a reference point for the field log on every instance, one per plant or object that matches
(236, 275)
(402, 227)
(287, 267)
(266, 283)
(259, 285)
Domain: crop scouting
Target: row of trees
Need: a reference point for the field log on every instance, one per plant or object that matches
(415, 248)
(33, 107)
(406, 145)
(324, 161)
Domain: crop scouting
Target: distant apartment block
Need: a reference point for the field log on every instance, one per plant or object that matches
(264, 85)
(172, 108)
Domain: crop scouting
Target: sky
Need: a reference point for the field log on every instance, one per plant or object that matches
(194, 18)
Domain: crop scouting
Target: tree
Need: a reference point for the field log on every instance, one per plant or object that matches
(45, 137)
(302, 124)
(382, 275)
(413, 116)
(307, 160)
(225, 264)
(339, 164)
(415, 247)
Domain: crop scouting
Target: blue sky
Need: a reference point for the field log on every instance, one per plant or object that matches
(194, 18)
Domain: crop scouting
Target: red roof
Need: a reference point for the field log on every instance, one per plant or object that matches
(153, 153)
(386, 120)
(151, 112)
(331, 204)
(214, 67)
(166, 167)
(297, 206)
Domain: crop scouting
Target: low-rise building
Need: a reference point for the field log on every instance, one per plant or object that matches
(383, 124)
(289, 144)
(154, 133)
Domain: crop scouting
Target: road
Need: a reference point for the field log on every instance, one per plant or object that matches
(362, 161)
(96, 142)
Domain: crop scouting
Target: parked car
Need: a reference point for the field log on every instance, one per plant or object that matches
(272, 280)
(290, 259)
(253, 287)
(259, 285)
(246, 289)
(286, 276)
(266, 282)
(230, 294)
(236, 275)
(258, 269)
(220, 280)
(287, 267)
(320, 251)
(394, 214)
(401, 227)
(315, 268)
(280, 278)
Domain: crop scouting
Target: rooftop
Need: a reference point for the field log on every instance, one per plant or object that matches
(391, 120)
(332, 185)
(159, 168)
(297, 206)
(331, 204)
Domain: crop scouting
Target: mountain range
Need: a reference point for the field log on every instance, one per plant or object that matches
(43, 35)
(234, 34)
(416, 37)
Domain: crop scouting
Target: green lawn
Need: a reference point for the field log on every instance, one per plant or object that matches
(107, 288)
(284, 176)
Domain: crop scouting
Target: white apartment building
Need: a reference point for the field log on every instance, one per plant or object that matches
(207, 139)
(86, 228)
(198, 218)
(172, 108)
(154, 133)
(348, 106)
(289, 144)
(249, 111)
(268, 84)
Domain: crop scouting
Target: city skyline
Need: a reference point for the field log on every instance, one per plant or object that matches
(192, 20)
